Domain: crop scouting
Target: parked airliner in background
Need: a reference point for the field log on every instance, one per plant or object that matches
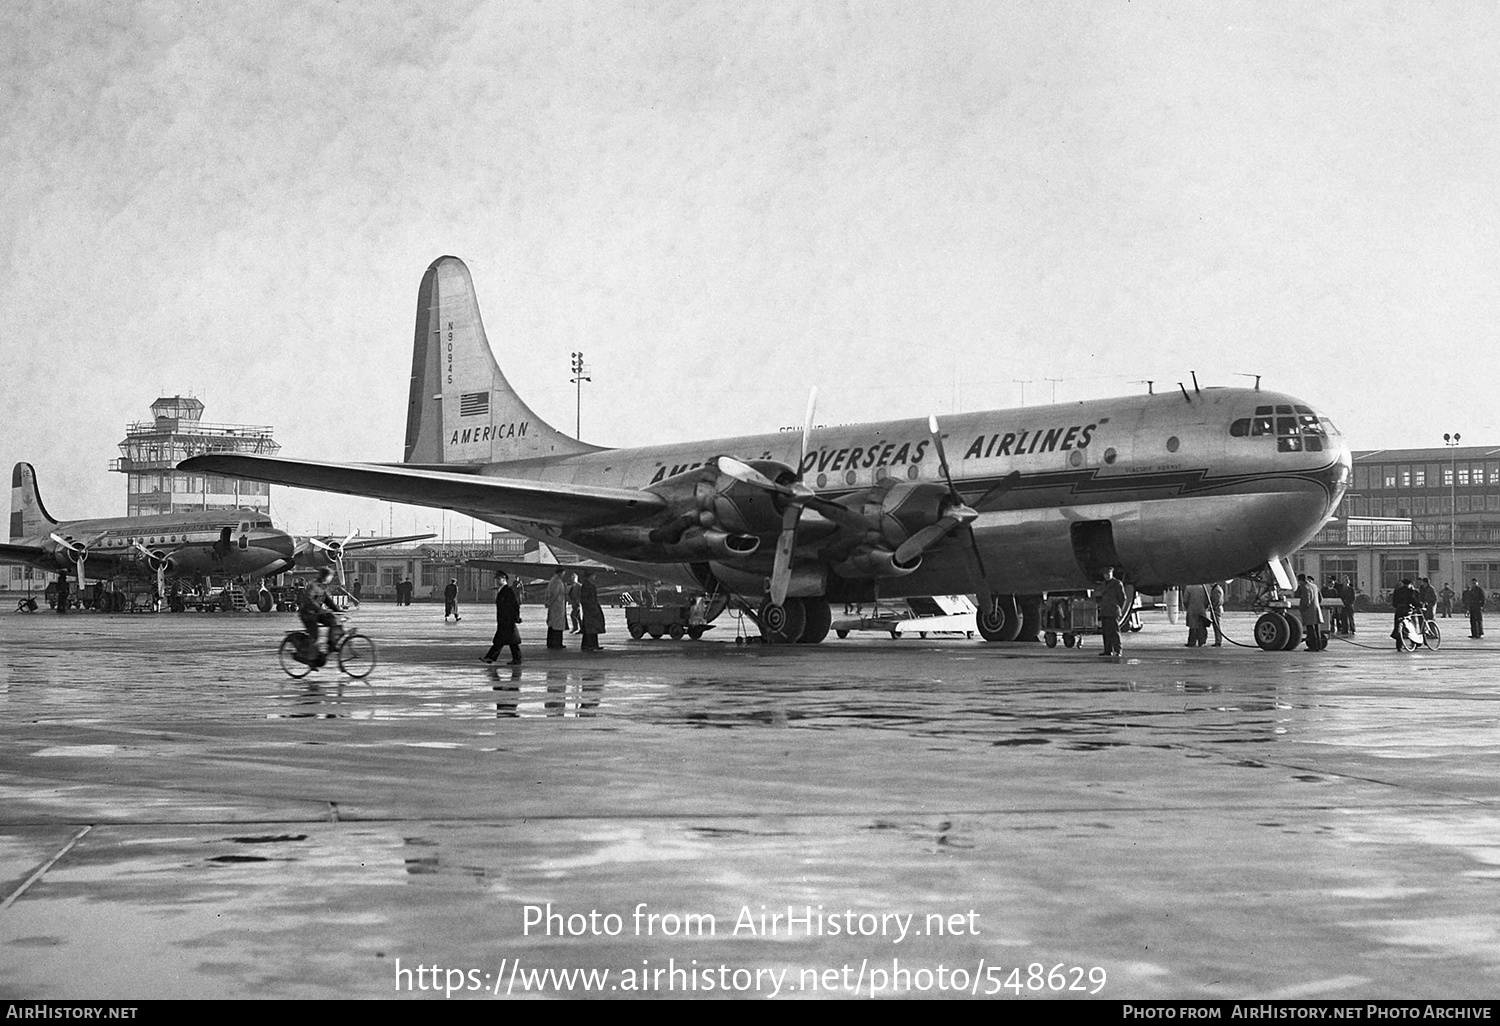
(1172, 488)
(219, 543)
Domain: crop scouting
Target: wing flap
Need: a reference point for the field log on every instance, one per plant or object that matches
(569, 504)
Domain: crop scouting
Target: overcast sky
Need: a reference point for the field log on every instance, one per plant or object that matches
(909, 205)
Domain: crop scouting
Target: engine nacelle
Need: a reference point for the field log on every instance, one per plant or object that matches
(879, 562)
(698, 545)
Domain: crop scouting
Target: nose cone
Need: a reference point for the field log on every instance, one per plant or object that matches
(279, 542)
(1339, 473)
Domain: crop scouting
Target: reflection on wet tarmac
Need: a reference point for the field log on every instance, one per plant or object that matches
(258, 836)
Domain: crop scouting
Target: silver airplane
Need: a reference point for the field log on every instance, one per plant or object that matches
(219, 543)
(1169, 488)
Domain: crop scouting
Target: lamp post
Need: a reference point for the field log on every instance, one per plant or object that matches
(1451, 441)
(579, 377)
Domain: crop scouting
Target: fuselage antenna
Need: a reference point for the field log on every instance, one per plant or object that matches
(1184, 393)
(1196, 389)
(1255, 376)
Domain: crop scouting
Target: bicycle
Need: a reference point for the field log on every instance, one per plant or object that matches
(1419, 629)
(355, 652)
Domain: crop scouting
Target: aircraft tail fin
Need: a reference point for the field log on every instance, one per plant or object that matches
(28, 517)
(461, 409)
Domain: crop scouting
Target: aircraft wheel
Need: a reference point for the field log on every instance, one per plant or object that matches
(1002, 622)
(818, 621)
(783, 624)
(842, 633)
(1294, 630)
(1051, 638)
(1271, 632)
(637, 631)
(263, 601)
(676, 631)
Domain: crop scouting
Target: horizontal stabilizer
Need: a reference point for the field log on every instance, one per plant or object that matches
(509, 497)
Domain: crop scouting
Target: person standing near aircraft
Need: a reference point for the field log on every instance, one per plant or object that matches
(592, 620)
(556, 599)
(575, 604)
(62, 593)
(507, 615)
(1445, 599)
(1310, 603)
(1111, 598)
(450, 601)
(1195, 596)
(1346, 596)
(1474, 603)
(1216, 612)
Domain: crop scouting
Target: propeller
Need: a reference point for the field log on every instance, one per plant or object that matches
(335, 552)
(160, 562)
(796, 494)
(78, 552)
(958, 515)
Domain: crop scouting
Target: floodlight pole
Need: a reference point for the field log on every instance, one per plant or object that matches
(579, 377)
(1452, 443)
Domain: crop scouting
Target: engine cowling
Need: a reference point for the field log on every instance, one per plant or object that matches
(875, 562)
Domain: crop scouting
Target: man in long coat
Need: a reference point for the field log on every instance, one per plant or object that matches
(1474, 603)
(556, 599)
(507, 615)
(1310, 603)
(592, 612)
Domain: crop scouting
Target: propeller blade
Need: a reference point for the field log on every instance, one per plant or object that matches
(745, 472)
(937, 441)
(786, 543)
(807, 427)
(977, 576)
(1006, 484)
(320, 543)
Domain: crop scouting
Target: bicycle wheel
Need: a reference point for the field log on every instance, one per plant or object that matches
(1431, 636)
(1408, 642)
(357, 654)
(292, 644)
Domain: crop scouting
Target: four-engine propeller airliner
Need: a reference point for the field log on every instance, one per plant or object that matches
(221, 543)
(1170, 488)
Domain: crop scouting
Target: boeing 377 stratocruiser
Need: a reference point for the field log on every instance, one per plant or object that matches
(219, 543)
(1167, 488)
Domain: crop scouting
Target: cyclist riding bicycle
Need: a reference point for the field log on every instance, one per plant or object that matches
(318, 609)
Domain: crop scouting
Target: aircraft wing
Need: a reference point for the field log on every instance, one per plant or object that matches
(10, 553)
(604, 576)
(542, 501)
(371, 543)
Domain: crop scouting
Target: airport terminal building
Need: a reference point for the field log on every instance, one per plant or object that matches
(1414, 513)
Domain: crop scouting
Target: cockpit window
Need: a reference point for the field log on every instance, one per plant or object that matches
(1295, 427)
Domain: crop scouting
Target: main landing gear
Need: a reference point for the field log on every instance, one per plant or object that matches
(795, 621)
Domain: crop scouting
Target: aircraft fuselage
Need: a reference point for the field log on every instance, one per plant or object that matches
(1167, 488)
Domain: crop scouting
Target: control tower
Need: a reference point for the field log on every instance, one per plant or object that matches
(152, 449)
